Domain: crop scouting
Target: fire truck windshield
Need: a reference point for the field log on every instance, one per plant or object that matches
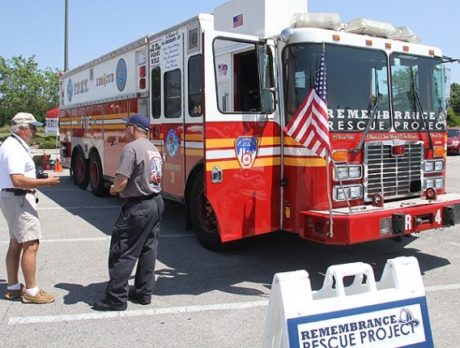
(355, 78)
(417, 88)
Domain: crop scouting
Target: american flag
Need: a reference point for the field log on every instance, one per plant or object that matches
(309, 125)
(238, 20)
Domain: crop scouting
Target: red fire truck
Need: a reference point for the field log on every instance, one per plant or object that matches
(219, 90)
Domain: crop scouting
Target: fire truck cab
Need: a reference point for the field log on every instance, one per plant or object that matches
(219, 90)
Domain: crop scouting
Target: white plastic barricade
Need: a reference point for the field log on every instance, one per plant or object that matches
(389, 313)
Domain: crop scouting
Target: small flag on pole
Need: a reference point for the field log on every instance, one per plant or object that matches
(309, 125)
(238, 20)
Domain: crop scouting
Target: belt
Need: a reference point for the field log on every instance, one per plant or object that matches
(18, 192)
(140, 198)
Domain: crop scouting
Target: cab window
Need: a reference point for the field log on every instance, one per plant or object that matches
(237, 76)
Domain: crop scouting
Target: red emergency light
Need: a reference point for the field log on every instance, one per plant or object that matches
(142, 71)
(141, 83)
(142, 74)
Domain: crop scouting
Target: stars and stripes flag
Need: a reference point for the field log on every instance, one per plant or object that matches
(309, 125)
(238, 21)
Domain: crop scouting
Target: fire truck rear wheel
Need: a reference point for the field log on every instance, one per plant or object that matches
(96, 176)
(203, 217)
(80, 170)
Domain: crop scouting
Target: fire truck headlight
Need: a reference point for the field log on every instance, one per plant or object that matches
(434, 166)
(356, 192)
(342, 173)
(350, 192)
(339, 195)
(439, 183)
(429, 183)
(435, 183)
(429, 166)
(355, 172)
(438, 166)
(347, 172)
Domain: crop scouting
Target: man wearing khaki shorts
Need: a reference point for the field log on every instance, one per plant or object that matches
(18, 204)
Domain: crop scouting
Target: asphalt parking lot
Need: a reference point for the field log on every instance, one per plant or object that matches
(202, 299)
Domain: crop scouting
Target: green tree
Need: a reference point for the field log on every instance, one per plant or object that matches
(455, 97)
(24, 87)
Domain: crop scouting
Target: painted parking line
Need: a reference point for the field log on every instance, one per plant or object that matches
(448, 287)
(39, 319)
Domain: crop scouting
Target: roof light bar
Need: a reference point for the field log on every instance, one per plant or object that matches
(370, 27)
(405, 34)
(316, 20)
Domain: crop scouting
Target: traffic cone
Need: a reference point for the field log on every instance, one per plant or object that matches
(58, 166)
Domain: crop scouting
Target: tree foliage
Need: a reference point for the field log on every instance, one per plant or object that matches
(455, 97)
(24, 87)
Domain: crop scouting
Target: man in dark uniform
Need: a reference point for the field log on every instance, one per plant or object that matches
(137, 229)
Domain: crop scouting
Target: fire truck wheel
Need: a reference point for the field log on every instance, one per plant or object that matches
(203, 218)
(96, 176)
(80, 170)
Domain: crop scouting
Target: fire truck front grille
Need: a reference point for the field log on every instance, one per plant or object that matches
(392, 176)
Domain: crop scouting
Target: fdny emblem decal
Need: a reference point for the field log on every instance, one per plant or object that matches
(172, 143)
(246, 151)
(121, 74)
(69, 90)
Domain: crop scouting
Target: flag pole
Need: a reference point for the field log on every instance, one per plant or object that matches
(328, 179)
(328, 183)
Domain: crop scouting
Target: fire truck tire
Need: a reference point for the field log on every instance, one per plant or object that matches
(80, 170)
(204, 220)
(96, 176)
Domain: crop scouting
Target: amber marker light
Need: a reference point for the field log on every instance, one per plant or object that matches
(340, 156)
(287, 210)
(439, 151)
(336, 37)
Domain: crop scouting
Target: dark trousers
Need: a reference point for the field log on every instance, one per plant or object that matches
(135, 238)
